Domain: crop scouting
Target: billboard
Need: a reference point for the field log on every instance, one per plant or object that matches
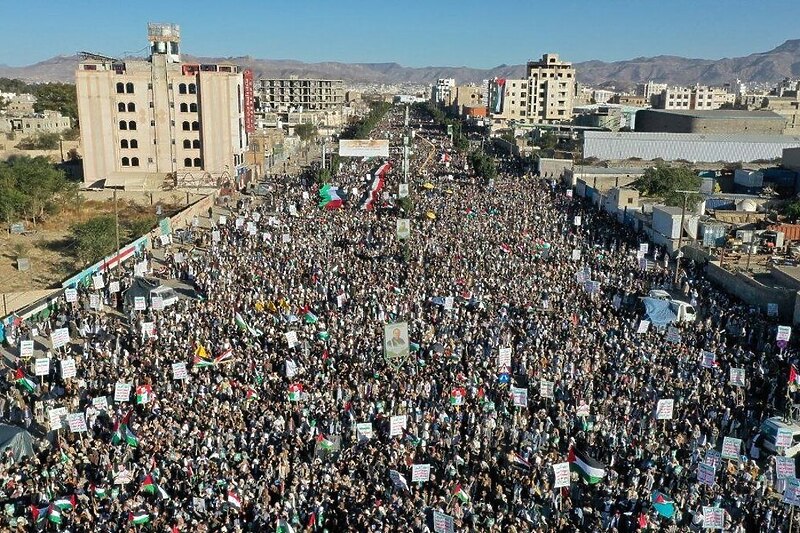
(249, 109)
(497, 90)
(364, 148)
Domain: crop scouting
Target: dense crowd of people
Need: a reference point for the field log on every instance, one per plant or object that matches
(261, 435)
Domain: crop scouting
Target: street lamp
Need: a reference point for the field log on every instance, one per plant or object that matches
(680, 234)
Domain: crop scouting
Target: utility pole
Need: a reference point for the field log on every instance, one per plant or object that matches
(680, 234)
(116, 220)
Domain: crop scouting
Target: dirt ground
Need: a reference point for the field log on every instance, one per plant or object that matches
(48, 246)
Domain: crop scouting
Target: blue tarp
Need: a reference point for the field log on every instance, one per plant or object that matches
(658, 312)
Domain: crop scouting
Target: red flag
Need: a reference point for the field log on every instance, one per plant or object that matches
(792, 374)
(312, 520)
(325, 354)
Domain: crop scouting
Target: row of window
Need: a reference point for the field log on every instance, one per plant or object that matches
(125, 143)
(191, 144)
(188, 162)
(191, 108)
(129, 125)
(131, 107)
(195, 126)
(123, 88)
(121, 107)
(197, 162)
(132, 162)
(186, 125)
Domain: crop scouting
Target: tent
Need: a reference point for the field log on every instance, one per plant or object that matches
(17, 439)
(140, 287)
(658, 311)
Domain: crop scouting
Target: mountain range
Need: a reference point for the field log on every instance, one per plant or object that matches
(771, 66)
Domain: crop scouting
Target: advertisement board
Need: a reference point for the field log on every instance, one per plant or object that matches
(364, 148)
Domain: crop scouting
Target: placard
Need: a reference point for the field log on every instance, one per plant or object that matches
(442, 523)
(583, 410)
(397, 424)
(713, 458)
(122, 392)
(504, 357)
(363, 431)
(772, 309)
(561, 472)
(157, 303)
(55, 417)
(520, 396)
(731, 448)
(576, 254)
(340, 300)
(68, 368)
(784, 467)
(101, 402)
(215, 236)
(113, 287)
(251, 228)
(239, 222)
(165, 239)
(94, 302)
(71, 295)
(644, 325)
(291, 338)
(77, 422)
(784, 333)
(709, 359)
(664, 409)
(222, 220)
(420, 473)
(402, 190)
(673, 336)
(644, 248)
(25, 349)
(713, 518)
(140, 268)
(179, 371)
(577, 220)
(403, 229)
(706, 474)
(139, 303)
(59, 338)
(737, 377)
(98, 282)
(783, 439)
(285, 238)
(293, 209)
(546, 389)
(41, 366)
(149, 329)
(448, 303)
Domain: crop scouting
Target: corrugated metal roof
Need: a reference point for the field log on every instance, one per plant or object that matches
(734, 114)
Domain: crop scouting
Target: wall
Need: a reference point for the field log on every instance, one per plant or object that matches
(752, 292)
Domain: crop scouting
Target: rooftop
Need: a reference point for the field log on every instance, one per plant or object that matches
(722, 114)
(661, 137)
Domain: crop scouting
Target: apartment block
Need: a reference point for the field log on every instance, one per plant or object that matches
(552, 89)
(282, 95)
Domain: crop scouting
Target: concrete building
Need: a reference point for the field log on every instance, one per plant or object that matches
(727, 121)
(508, 101)
(602, 96)
(788, 107)
(38, 123)
(552, 89)
(611, 117)
(711, 97)
(283, 95)
(20, 105)
(441, 92)
(630, 100)
(650, 90)
(467, 96)
(674, 98)
(143, 120)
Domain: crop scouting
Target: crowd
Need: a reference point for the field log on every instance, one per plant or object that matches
(260, 436)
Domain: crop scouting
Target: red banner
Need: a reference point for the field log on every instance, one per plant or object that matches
(249, 110)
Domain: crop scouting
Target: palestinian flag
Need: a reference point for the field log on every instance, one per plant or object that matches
(460, 493)
(244, 326)
(144, 393)
(663, 504)
(38, 513)
(139, 517)
(224, 357)
(295, 391)
(310, 318)
(323, 335)
(200, 362)
(324, 443)
(591, 470)
(251, 394)
(457, 396)
(234, 500)
(331, 197)
(520, 462)
(131, 439)
(148, 486)
(794, 377)
(283, 527)
(99, 492)
(66, 503)
(54, 514)
(24, 382)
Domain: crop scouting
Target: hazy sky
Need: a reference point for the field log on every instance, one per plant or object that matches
(410, 32)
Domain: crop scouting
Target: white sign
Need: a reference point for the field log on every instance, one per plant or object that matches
(673, 336)
(583, 410)
(122, 392)
(94, 302)
(520, 396)
(664, 409)
(577, 220)
(783, 439)
(644, 248)
(561, 471)
(504, 357)
(420, 473)
(363, 431)
(77, 422)
(706, 474)
(442, 523)
(165, 239)
(772, 309)
(25, 349)
(398, 480)
(713, 458)
(448, 303)
(113, 287)
(709, 359)
(59, 338)
(291, 368)
(68, 368)
(71, 295)
(215, 236)
(713, 518)
(55, 416)
(239, 222)
(340, 300)
(546, 389)
(291, 338)
(139, 303)
(286, 238)
(140, 268)
(251, 228)
(101, 402)
(576, 254)
(149, 329)
(397, 424)
(784, 332)
(643, 326)
(97, 281)
(179, 371)
(222, 220)
(784, 467)
(730, 448)
(42, 366)
(402, 190)
(364, 148)
(157, 303)
(737, 377)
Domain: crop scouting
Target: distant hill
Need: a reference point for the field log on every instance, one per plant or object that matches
(774, 65)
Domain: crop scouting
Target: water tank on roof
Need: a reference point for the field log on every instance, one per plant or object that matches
(747, 205)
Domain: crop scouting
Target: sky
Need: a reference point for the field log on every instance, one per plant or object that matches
(413, 33)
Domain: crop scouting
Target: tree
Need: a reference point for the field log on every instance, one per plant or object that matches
(135, 228)
(663, 181)
(60, 97)
(306, 132)
(94, 239)
(43, 141)
(483, 165)
(37, 180)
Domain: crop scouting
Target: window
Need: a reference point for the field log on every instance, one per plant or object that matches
(132, 125)
(187, 162)
(152, 123)
(131, 107)
(123, 125)
(182, 88)
(195, 126)
(135, 162)
(193, 108)
(187, 143)
(129, 88)
(185, 125)
(150, 160)
(120, 88)
(192, 88)
(123, 143)
(197, 162)
(195, 143)
(121, 107)
(134, 143)
(125, 162)
(184, 108)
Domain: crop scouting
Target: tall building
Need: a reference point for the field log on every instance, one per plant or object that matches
(283, 95)
(441, 92)
(552, 89)
(142, 120)
(650, 91)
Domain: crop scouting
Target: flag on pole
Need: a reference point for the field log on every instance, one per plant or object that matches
(283, 527)
(323, 335)
(310, 318)
(38, 513)
(226, 356)
(520, 462)
(66, 503)
(591, 470)
(371, 194)
(54, 514)
(460, 493)
(139, 517)
(244, 326)
(99, 492)
(457, 396)
(148, 486)
(251, 394)
(200, 351)
(295, 392)
(324, 443)
(234, 500)
(794, 377)
(331, 197)
(144, 393)
(21, 380)
(200, 362)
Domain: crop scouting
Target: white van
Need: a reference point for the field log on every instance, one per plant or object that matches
(769, 432)
(167, 294)
(684, 311)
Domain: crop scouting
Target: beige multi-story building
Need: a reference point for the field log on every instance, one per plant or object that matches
(467, 96)
(552, 89)
(294, 94)
(21, 105)
(651, 91)
(143, 120)
(711, 97)
(508, 100)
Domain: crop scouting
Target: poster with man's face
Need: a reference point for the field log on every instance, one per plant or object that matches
(395, 342)
(403, 229)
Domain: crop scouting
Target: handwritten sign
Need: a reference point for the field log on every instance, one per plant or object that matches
(784, 467)
(94, 302)
(713, 518)
(139, 303)
(520, 396)
(363, 431)
(664, 409)
(504, 358)
(149, 329)
(737, 377)
(77, 422)
(113, 287)
(784, 333)
(546, 389)
(55, 417)
(731, 447)
(448, 303)
(179, 371)
(420, 473)
(98, 282)
(291, 338)
(561, 472)
(68, 368)
(643, 326)
(673, 336)
(709, 359)
(713, 458)
(122, 392)
(577, 220)
(157, 303)
(397, 424)
(71, 295)
(706, 474)
(25, 349)
(101, 402)
(783, 439)
(442, 523)
(583, 410)
(222, 220)
(59, 338)
(41, 366)
(576, 254)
